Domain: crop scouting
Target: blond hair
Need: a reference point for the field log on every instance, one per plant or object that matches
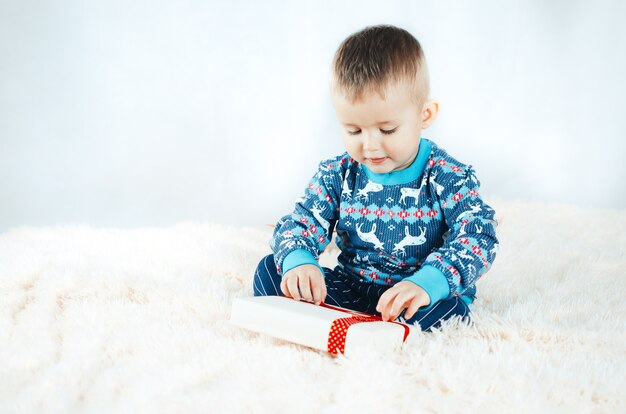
(376, 56)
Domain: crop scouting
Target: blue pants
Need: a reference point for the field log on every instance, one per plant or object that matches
(359, 295)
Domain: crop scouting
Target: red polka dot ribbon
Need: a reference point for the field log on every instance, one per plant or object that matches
(339, 327)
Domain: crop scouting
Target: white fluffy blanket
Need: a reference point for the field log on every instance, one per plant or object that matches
(113, 320)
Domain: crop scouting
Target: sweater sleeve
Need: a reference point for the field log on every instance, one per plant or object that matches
(302, 235)
(471, 244)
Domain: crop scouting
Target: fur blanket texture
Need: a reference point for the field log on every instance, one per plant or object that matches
(107, 320)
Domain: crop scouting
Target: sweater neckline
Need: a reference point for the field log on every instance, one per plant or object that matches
(410, 173)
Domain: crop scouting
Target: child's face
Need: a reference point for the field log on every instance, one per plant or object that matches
(383, 134)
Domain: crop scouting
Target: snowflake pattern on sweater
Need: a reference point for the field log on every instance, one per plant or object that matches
(391, 225)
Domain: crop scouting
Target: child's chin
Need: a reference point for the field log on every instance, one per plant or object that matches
(380, 169)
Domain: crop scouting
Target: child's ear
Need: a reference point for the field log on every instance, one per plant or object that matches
(429, 112)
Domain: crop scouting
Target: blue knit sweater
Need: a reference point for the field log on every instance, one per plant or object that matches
(426, 224)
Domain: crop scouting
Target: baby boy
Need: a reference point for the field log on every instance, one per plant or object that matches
(413, 230)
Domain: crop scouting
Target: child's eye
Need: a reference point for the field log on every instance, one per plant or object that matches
(388, 132)
(354, 132)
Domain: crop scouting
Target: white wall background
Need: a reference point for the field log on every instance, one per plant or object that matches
(146, 113)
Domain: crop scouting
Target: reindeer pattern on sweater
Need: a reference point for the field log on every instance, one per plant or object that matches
(390, 225)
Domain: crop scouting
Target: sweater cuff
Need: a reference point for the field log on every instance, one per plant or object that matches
(433, 281)
(297, 258)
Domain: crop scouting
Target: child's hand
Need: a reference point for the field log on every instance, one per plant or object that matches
(307, 278)
(402, 295)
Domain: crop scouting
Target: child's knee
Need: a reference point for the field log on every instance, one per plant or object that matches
(264, 281)
(266, 265)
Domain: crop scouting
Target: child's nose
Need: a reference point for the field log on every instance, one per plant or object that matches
(370, 142)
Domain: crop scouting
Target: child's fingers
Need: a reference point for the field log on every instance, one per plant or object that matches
(317, 286)
(284, 288)
(399, 303)
(292, 285)
(413, 307)
(384, 302)
(305, 286)
(323, 284)
(387, 300)
(394, 305)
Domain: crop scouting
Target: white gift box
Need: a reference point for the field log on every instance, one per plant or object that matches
(324, 327)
